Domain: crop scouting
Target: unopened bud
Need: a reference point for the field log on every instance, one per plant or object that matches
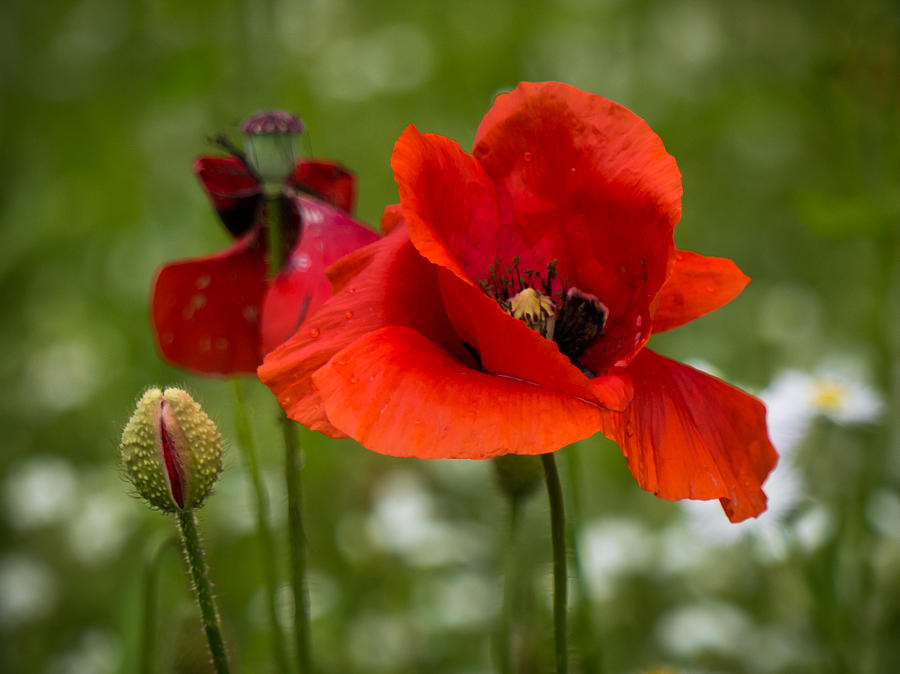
(272, 145)
(517, 475)
(171, 450)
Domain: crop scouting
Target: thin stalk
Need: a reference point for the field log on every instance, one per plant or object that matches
(560, 580)
(297, 539)
(590, 645)
(263, 528)
(510, 590)
(148, 617)
(193, 554)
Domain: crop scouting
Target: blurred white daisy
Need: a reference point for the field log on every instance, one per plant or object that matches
(27, 589)
(100, 523)
(708, 627)
(836, 391)
(402, 521)
(39, 491)
(612, 548)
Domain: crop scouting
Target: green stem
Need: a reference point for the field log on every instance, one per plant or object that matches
(148, 619)
(510, 591)
(264, 530)
(292, 467)
(193, 553)
(590, 646)
(275, 232)
(560, 580)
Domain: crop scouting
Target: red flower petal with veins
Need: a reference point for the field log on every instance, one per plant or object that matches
(433, 363)
(689, 435)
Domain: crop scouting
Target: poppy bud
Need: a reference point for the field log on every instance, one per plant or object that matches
(517, 475)
(272, 145)
(171, 450)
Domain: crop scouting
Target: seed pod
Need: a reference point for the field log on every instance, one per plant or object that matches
(171, 450)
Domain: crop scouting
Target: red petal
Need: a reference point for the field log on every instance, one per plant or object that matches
(689, 435)
(398, 393)
(591, 184)
(697, 286)
(206, 309)
(327, 180)
(391, 218)
(508, 347)
(449, 203)
(384, 283)
(327, 234)
(235, 194)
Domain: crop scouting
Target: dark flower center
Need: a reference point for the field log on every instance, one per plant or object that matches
(569, 316)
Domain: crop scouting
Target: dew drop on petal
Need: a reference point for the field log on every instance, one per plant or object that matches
(250, 313)
(203, 281)
(527, 156)
(353, 380)
(314, 333)
(349, 314)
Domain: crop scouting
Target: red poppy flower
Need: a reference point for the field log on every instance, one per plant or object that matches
(219, 314)
(508, 310)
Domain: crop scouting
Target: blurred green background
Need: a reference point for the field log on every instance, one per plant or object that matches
(784, 119)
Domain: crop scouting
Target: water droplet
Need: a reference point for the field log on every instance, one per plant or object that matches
(250, 313)
(314, 333)
(353, 380)
(629, 429)
(572, 170)
(340, 363)
(203, 281)
(527, 156)
(349, 314)
(352, 290)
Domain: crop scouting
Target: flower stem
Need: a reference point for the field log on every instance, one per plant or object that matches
(148, 619)
(590, 646)
(275, 233)
(292, 467)
(560, 580)
(264, 530)
(193, 552)
(505, 629)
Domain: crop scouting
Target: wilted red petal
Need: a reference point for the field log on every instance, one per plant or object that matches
(384, 283)
(235, 194)
(698, 285)
(398, 393)
(326, 180)
(206, 309)
(326, 235)
(508, 347)
(689, 435)
(591, 185)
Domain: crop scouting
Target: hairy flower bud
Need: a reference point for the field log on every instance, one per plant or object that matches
(272, 145)
(171, 450)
